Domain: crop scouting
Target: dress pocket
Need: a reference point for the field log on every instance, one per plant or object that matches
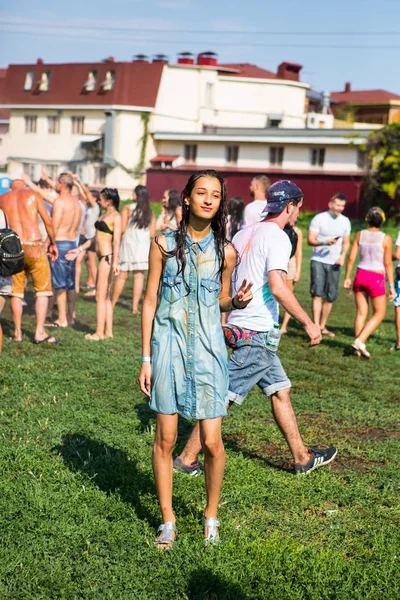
(173, 288)
(209, 291)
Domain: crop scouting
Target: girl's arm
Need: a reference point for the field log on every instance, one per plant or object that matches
(178, 215)
(153, 226)
(387, 260)
(351, 260)
(298, 254)
(149, 310)
(244, 295)
(116, 243)
(124, 218)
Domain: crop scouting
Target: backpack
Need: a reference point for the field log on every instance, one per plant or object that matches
(11, 253)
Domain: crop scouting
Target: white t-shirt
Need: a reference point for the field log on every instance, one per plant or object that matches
(252, 212)
(329, 227)
(262, 248)
(92, 214)
(398, 244)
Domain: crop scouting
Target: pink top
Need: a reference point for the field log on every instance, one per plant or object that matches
(371, 251)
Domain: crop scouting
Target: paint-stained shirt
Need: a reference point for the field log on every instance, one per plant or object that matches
(262, 248)
(188, 353)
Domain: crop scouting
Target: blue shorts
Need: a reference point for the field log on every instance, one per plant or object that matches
(62, 270)
(254, 364)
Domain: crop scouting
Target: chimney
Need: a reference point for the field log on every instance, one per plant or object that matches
(347, 87)
(109, 59)
(185, 58)
(289, 71)
(140, 58)
(208, 59)
(39, 61)
(160, 58)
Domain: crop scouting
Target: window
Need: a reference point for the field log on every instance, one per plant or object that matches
(317, 157)
(276, 156)
(108, 83)
(77, 124)
(44, 81)
(90, 84)
(29, 80)
(53, 124)
(231, 154)
(80, 172)
(190, 153)
(209, 100)
(29, 169)
(30, 124)
(100, 174)
(52, 171)
(362, 159)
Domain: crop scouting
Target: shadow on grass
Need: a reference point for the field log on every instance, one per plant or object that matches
(204, 585)
(111, 470)
(147, 418)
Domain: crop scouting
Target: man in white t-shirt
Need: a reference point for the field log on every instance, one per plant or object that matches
(329, 235)
(259, 187)
(264, 251)
(396, 302)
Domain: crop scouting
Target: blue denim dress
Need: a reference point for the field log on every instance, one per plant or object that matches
(189, 357)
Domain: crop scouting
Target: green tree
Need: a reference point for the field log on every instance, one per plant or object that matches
(383, 164)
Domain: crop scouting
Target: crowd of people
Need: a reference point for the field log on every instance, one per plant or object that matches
(204, 255)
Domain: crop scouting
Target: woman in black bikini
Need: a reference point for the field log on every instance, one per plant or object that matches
(108, 239)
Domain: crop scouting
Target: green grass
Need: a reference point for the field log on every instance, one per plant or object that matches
(78, 509)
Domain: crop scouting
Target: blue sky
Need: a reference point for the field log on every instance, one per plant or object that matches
(260, 32)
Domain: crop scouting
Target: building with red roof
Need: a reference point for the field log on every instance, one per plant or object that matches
(367, 106)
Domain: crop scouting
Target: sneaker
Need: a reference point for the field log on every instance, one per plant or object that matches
(195, 469)
(319, 458)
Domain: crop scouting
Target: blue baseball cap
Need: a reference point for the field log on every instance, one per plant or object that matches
(280, 194)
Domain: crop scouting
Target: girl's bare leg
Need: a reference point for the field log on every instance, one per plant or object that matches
(214, 463)
(78, 271)
(362, 312)
(164, 443)
(378, 314)
(102, 287)
(119, 286)
(138, 280)
(92, 268)
(109, 311)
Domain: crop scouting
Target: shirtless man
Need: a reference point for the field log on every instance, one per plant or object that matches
(22, 208)
(66, 216)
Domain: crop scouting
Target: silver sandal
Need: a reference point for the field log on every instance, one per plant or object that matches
(212, 534)
(165, 534)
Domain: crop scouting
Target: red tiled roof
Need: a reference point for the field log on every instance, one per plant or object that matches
(3, 73)
(136, 84)
(364, 96)
(4, 112)
(249, 70)
(162, 158)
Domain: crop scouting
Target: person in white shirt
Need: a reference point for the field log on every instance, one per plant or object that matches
(396, 302)
(259, 187)
(264, 251)
(329, 235)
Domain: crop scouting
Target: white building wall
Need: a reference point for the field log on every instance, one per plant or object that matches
(297, 157)
(43, 146)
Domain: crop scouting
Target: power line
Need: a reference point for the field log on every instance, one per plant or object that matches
(190, 42)
(109, 27)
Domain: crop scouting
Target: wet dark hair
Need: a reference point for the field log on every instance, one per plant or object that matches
(235, 211)
(141, 216)
(174, 200)
(218, 224)
(43, 184)
(95, 194)
(112, 195)
(375, 216)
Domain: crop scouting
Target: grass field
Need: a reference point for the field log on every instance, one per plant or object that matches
(78, 509)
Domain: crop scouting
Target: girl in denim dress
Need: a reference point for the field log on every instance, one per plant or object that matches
(184, 363)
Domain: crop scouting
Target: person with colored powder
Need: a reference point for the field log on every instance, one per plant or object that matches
(184, 363)
(264, 251)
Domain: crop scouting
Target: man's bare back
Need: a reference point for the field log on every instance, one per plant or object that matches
(66, 215)
(22, 208)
